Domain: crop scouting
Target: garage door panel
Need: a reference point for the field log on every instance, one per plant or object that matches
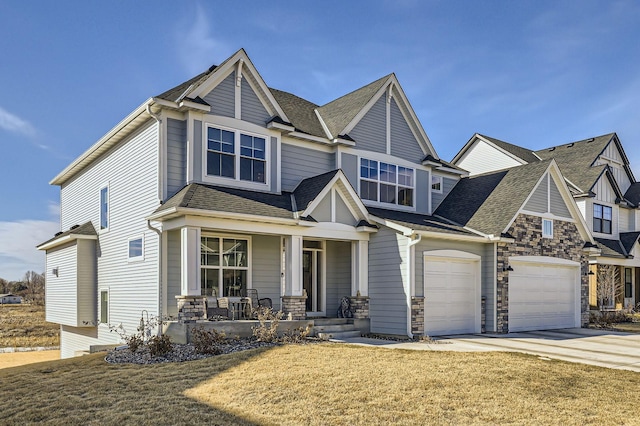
(542, 296)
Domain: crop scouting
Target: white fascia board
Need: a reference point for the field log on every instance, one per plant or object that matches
(382, 91)
(452, 171)
(309, 137)
(465, 148)
(504, 151)
(279, 126)
(395, 226)
(453, 237)
(186, 211)
(66, 239)
(364, 213)
(187, 104)
(104, 143)
(323, 124)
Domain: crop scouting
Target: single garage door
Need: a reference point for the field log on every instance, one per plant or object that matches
(452, 292)
(543, 296)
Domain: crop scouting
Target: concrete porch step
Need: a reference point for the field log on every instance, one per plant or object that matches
(333, 328)
(331, 321)
(338, 335)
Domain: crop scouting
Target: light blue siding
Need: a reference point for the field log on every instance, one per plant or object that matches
(387, 275)
(558, 206)
(371, 132)
(338, 274)
(265, 267)
(447, 186)
(403, 143)
(252, 109)
(350, 168)
(176, 155)
(538, 201)
(421, 196)
(300, 163)
(223, 98)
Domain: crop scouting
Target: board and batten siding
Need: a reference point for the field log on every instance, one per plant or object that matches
(223, 97)
(482, 157)
(299, 163)
(612, 156)
(485, 251)
(131, 172)
(265, 267)
(403, 143)
(370, 133)
(176, 155)
(252, 109)
(338, 275)
(387, 279)
(447, 186)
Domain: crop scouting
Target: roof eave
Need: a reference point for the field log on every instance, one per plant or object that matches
(64, 240)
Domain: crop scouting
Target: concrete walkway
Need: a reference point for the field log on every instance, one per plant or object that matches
(595, 347)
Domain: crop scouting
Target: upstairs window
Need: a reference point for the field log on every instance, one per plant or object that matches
(386, 183)
(104, 208)
(436, 184)
(602, 219)
(236, 155)
(136, 249)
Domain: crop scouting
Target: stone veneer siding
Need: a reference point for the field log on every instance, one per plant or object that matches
(359, 306)
(566, 244)
(417, 316)
(191, 308)
(296, 306)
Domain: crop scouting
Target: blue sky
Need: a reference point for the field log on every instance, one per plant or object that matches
(535, 73)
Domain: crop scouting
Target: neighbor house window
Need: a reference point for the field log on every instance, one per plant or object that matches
(436, 184)
(104, 208)
(547, 228)
(386, 183)
(224, 266)
(602, 218)
(104, 306)
(628, 283)
(136, 248)
(236, 155)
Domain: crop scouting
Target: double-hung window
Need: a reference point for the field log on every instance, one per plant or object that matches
(236, 155)
(602, 218)
(224, 266)
(386, 183)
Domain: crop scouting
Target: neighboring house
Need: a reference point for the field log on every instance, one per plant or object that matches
(222, 184)
(599, 176)
(8, 298)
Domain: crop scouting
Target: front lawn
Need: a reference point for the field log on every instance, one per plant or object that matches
(322, 384)
(24, 326)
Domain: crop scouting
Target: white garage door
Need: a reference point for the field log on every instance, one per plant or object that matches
(543, 296)
(452, 294)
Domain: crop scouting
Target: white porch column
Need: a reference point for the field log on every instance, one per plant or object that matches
(293, 266)
(360, 268)
(190, 261)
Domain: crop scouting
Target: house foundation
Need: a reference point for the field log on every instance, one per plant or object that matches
(191, 308)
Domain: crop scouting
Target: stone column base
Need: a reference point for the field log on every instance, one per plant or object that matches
(296, 306)
(359, 306)
(191, 308)
(483, 315)
(417, 316)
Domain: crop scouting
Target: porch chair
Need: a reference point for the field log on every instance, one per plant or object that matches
(255, 301)
(215, 308)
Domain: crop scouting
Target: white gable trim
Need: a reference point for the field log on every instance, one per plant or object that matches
(361, 213)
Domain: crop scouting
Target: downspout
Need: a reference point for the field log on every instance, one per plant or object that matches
(411, 275)
(156, 230)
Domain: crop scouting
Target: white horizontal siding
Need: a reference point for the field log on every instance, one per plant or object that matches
(482, 158)
(86, 282)
(61, 291)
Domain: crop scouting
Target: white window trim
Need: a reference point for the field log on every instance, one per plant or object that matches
(108, 291)
(238, 127)
(381, 204)
(140, 258)
(441, 179)
(100, 229)
(220, 268)
(545, 234)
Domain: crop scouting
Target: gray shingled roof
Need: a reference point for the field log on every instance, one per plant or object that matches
(628, 240)
(300, 112)
(419, 222)
(84, 229)
(488, 202)
(576, 158)
(610, 248)
(308, 189)
(520, 152)
(214, 198)
(339, 113)
(633, 193)
(175, 92)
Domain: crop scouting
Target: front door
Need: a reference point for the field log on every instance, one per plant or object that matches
(312, 280)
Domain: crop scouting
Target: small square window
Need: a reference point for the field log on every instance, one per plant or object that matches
(547, 228)
(436, 184)
(136, 248)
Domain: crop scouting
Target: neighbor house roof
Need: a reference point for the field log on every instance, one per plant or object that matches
(633, 193)
(488, 202)
(419, 222)
(520, 152)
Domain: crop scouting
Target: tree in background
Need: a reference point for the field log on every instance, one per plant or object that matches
(609, 287)
(34, 287)
(4, 286)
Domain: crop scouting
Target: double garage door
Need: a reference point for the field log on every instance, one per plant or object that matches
(543, 295)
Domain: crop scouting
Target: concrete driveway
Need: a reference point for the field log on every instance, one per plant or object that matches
(595, 347)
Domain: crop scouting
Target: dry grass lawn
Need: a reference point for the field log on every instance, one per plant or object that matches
(323, 384)
(24, 326)
(14, 359)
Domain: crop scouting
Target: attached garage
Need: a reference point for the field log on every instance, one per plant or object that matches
(544, 293)
(452, 292)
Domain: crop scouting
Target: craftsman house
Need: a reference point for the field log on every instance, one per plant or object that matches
(599, 176)
(223, 184)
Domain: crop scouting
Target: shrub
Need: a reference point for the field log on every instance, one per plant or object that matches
(267, 331)
(296, 335)
(159, 345)
(207, 341)
(607, 318)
